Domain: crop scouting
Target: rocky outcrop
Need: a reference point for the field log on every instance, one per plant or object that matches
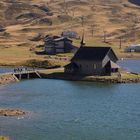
(15, 12)
(4, 138)
(11, 112)
(63, 76)
(6, 79)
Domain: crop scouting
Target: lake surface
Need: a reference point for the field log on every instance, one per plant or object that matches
(6, 69)
(131, 65)
(66, 110)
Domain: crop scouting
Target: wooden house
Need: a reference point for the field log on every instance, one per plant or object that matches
(93, 61)
(70, 34)
(55, 45)
(133, 48)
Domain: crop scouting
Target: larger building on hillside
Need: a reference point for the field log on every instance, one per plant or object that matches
(70, 34)
(133, 48)
(93, 61)
(55, 44)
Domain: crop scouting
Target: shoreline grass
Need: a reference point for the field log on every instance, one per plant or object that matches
(126, 77)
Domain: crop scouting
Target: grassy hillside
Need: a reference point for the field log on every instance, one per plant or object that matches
(4, 138)
(24, 19)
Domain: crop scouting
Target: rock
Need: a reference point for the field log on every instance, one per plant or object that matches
(4, 138)
(11, 112)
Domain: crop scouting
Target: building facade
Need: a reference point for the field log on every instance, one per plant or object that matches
(70, 34)
(58, 45)
(133, 48)
(93, 61)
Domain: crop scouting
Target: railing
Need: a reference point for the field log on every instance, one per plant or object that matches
(26, 74)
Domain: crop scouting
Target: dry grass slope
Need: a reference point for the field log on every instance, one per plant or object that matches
(4, 138)
(24, 19)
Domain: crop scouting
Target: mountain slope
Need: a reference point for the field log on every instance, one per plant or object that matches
(24, 19)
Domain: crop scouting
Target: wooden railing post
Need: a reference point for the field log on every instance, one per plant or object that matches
(28, 75)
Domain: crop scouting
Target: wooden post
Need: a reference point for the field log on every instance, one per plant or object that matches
(120, 42)
(15, 77)
(82, 20)
(20, 76)
(105, 36)
(28, 75)
(38, 74)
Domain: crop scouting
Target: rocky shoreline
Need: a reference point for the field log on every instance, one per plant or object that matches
(129, 78)
(4, 138)
(126, 77)
(12, 112)
(7, 78)
(132, 80)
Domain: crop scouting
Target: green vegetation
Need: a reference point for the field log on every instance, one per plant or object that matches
(51, 71)
(40, 64)
(125, 77)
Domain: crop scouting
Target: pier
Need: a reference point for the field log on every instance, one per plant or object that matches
(23, 75)
(27, 75)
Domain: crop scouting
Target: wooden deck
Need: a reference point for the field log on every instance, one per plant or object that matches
(24, 74)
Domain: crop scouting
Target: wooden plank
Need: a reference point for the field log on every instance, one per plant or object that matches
(38, 74)
(16, 78)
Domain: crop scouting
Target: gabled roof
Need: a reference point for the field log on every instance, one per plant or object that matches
(92, 53)
(56, 39)
(114, 65)
(62, 39)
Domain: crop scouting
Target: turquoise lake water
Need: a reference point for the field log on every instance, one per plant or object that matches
(66, 110)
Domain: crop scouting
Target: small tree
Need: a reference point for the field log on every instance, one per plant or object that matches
(65, 7)
(92, 29)
(120, 41)
(73, 12)
(132, 25)
(82, 19)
